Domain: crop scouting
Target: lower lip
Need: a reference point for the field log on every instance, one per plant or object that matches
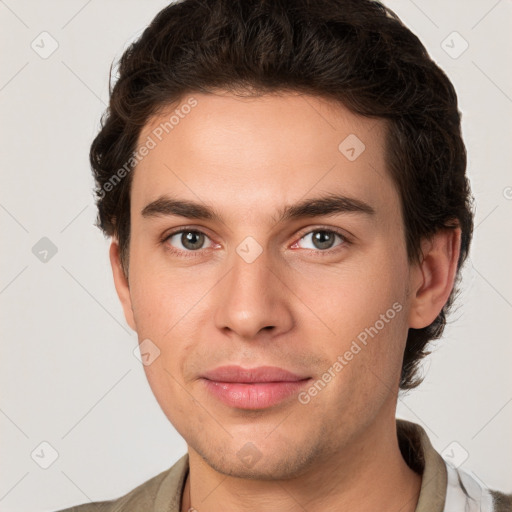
(259, 395)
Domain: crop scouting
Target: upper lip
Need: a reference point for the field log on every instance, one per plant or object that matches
(248, 375)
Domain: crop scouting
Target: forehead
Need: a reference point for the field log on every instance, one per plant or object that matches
(247, 154)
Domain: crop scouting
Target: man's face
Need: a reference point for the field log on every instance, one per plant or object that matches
(253, 288)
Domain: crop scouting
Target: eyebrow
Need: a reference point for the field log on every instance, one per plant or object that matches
(330, 204)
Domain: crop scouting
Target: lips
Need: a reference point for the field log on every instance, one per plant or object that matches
(252, 375)
(252, 388)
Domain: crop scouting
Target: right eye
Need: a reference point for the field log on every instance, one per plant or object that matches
(186, 240)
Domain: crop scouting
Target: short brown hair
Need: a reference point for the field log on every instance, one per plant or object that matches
(355, 52)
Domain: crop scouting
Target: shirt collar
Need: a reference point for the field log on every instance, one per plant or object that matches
(440, 484)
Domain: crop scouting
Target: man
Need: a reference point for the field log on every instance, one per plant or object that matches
(284, 184)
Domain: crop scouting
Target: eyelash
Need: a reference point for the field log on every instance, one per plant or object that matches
(193, 254)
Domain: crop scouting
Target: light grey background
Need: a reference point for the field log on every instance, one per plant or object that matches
(69, 376)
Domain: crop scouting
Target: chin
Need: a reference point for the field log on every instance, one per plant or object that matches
(270, 463)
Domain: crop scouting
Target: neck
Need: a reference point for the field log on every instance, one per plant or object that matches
(370, 474)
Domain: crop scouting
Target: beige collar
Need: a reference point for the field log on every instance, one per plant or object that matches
(416, 449)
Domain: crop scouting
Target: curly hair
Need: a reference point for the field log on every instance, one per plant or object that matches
(354, 52)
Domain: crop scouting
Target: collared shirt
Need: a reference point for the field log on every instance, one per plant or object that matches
(444, 488)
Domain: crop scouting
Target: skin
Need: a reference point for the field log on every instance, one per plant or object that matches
(295, 306)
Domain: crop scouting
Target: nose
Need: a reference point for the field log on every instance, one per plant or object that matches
(253, 298)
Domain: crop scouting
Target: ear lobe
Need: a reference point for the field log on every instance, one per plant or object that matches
(434, 277)
(121, 283)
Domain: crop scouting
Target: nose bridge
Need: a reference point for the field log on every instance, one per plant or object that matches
(252, 297)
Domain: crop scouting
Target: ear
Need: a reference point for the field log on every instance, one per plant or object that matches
(433, 279)
(121, 283)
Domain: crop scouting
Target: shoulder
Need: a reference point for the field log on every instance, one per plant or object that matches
(445, 487)
(502, 502)
(140, 498)
(166, 487)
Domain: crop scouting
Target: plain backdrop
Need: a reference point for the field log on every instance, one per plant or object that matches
(68, 374)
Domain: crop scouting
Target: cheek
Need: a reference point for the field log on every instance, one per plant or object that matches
(365, 307)
(353, 295)
(161, 298)
(168, 389)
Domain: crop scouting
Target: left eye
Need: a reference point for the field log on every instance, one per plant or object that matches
(190, 240)
(321, 239)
